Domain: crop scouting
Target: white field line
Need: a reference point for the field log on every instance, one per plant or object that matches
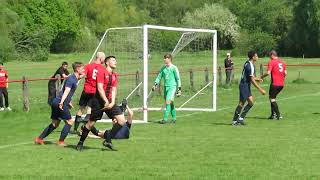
(186, 115)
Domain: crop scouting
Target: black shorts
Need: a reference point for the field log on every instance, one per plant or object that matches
(245, 92)
(57, 113)
(85, 99)
(274, 91)
(96, 113)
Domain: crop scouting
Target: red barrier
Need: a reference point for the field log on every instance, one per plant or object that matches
(155, 73)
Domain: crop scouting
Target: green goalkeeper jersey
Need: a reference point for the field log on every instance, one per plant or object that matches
(171, 76)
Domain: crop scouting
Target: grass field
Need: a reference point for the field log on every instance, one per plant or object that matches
(201, 145)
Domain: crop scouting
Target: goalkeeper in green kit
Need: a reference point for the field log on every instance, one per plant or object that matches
(172, 86)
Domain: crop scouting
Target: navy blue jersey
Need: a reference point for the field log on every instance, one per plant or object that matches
(247, 72)
(71, 82)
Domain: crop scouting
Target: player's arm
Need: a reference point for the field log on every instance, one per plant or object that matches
(7, 79)
(130, 115)
(268, 72)
(178, 80)
(158, 79)
(253, 81)
(113, 97)
(64, 96)
(102, 93)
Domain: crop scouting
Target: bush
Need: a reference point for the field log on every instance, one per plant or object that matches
(258, 41)
(85, 42)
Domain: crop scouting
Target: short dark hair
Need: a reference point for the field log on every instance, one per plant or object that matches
(273, 52)
(76, 65)
(108, 58)
(169, 56)
(64, 63)
(251, 54)
(1, 63)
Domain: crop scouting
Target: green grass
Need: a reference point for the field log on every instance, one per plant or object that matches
(201, 145)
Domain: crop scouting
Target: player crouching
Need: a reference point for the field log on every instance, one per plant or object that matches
(60, 106)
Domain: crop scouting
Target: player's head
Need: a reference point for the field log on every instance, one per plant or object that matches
(78, 67)
(253, 55)
(167, 58)
(64, 65)
(273, 54)
(100, 57)
(111, 62)
(228, 55)
(1, 65)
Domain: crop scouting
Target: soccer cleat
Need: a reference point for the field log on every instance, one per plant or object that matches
(241, 121)
(273, 116)
(39, 141)
(108, 145)
(61, 143)
(9, 109)
(162, 122)
(173, 121)
(234, 123)
(1, 109)
(79, 146)
(124, 104)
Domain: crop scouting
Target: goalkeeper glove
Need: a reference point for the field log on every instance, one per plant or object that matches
(154, 87)
(179, 93)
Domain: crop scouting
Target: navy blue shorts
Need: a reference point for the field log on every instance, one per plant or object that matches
(124, 132)
(245, 92)
(57, 113)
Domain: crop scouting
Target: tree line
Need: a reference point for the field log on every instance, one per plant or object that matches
(31, 29)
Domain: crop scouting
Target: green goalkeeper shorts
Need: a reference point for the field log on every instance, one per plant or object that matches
(169, 92)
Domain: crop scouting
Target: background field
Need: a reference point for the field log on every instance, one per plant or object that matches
(200, 146)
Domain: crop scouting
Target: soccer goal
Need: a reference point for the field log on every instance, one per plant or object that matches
(139, 52)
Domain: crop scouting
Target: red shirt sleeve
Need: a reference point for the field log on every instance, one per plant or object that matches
(270, 64)
(115, 80)
(100, 75)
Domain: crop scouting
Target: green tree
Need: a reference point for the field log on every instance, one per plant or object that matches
(304, 36)
(216, 17)
(45, 25)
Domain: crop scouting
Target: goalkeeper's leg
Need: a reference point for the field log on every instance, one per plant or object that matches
(173, 112)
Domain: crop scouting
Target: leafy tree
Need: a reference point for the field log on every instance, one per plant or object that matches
(304, 36)
(216, 17)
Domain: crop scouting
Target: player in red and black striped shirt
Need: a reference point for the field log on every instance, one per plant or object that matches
(277, 70)
(104, 101)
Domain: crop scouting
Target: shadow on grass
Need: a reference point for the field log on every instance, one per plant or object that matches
(84, 147)
(221, 124)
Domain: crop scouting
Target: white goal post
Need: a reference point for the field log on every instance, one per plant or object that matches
(140, 51)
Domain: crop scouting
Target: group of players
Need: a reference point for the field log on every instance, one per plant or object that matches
(99, 96)
(100, 90)
(277, 70)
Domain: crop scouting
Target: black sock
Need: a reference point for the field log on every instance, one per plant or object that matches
(95, 131)
(246, 109)
(65, 131)
(76, 122)
(108, 135)
(84, 134)
(47, 131)
(272, 109)
(237, 113)
(276, 109)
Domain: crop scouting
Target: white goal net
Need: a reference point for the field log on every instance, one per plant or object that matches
(139, 52)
